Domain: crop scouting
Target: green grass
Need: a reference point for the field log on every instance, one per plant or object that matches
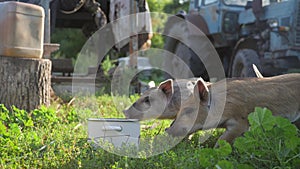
(56, 137)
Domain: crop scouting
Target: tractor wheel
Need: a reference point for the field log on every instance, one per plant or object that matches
(191, 59)
(177, 42)
(242, 64)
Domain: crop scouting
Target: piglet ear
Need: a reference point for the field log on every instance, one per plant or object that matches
(167, 88)
(201, 89)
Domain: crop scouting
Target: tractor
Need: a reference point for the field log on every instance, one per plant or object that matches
(261, 32)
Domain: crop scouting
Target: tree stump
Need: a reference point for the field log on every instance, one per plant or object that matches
(25, 82)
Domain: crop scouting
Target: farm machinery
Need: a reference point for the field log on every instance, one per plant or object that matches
(261, 32)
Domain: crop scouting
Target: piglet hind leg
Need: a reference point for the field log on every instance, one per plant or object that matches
(297, 123)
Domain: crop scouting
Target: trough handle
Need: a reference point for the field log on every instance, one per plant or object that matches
(112, 128)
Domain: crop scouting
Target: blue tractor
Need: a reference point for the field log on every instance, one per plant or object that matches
(261, 32)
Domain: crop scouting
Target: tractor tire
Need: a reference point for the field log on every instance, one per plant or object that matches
(177, 41)
(242, 64)
(191, 59)
(184, 63)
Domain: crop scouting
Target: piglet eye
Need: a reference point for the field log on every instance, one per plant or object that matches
(147, 100)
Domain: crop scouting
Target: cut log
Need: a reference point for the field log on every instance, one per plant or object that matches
(25, 82)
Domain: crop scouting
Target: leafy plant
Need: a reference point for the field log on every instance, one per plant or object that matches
(70, 40)
(272, 142)
(107, 64)
(210, 157)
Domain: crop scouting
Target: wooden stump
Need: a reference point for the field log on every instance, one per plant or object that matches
(25, 82)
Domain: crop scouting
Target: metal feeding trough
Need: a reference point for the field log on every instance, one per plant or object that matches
(116, 131)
